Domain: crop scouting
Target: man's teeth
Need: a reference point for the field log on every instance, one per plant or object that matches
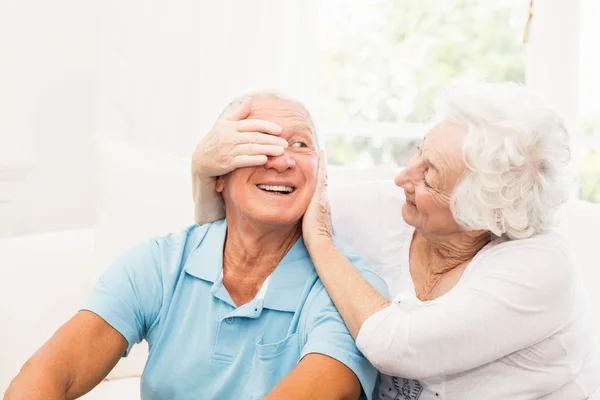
(273, 188)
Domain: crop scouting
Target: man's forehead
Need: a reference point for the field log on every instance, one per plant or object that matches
(282, 109)
(277, 106)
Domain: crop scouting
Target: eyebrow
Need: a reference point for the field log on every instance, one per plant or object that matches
(431, 165)
(301, 128)
(427, 159)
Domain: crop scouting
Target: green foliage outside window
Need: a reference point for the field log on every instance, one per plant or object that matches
(385, 61)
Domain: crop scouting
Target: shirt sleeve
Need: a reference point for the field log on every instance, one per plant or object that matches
(519, 295)
(128, 296)
(325, 333)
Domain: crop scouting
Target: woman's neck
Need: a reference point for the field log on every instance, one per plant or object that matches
(251, 253)
(446, 252)
(437, 263)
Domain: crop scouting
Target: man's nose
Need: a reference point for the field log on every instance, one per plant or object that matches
(282, 162)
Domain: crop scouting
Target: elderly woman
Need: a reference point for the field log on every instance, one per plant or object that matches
(232, 309)
(487, 301)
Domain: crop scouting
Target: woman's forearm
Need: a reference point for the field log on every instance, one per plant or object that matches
(208, 202)
(353, 295)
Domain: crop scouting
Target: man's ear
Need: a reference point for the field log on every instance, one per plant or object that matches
(220, 184)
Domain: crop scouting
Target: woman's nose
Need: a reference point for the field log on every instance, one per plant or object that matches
(401, 180)
(407, 177)
(282, 162)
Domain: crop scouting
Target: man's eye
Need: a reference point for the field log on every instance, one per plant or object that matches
(299, 144)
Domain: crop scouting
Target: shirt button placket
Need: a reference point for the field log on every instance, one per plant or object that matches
(227, 340)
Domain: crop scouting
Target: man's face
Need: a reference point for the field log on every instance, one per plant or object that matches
(280, 191)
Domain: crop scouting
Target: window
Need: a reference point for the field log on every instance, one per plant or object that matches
(589, 102)
(383, 61)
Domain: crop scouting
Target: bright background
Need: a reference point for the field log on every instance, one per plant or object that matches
(154, 74)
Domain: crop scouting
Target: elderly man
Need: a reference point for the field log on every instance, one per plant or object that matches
(231, 310)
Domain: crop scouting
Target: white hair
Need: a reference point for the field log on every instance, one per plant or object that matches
(267, 94)
(516, 153)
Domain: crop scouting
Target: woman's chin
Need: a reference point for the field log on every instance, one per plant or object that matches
(408, 214)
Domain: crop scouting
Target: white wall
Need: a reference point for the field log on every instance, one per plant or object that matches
(168, 69)
(171, 66)
(49, 60)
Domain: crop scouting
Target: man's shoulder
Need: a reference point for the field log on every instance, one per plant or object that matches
(187, 239)
(190, 234)
(361, 266)
(356, 259)
(350, 253)
(165, 252)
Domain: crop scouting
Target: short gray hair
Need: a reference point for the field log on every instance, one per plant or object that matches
(517, 155)
(267, 94)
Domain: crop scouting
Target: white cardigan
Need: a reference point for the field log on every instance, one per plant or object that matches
(516, 326)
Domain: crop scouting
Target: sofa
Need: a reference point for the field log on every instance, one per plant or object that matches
(46, 277)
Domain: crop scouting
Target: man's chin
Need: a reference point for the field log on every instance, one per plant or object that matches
(278, 217)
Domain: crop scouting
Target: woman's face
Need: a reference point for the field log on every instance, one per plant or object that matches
(430, 178)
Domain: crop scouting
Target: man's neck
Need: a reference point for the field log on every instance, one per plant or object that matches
(251, 253)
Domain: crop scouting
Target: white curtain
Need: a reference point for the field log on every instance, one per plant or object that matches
(170, 66)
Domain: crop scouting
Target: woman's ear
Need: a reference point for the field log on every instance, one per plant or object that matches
(220, 184)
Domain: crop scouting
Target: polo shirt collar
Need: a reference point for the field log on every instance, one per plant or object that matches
(287, 284)
(206, 261)
(290, 279)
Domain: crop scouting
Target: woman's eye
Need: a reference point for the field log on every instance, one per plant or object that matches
(425, 179)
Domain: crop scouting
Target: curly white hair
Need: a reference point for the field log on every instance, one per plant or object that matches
(517, 156)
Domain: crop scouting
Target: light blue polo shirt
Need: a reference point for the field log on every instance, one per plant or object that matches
(169, 291)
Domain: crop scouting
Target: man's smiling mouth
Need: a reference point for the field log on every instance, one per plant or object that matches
(277, 189)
